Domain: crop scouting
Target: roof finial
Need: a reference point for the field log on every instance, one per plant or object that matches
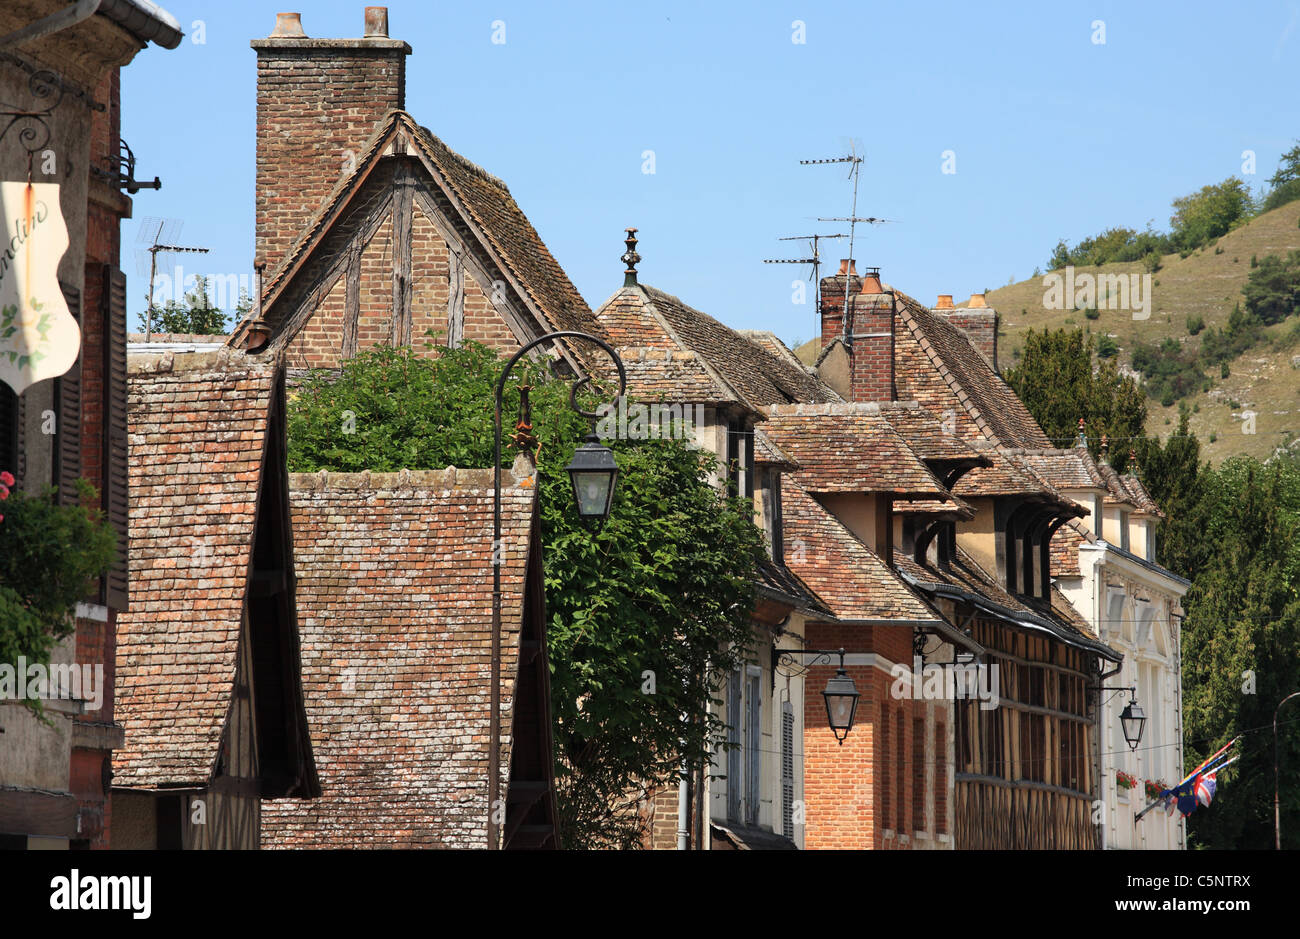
(630, 258)
(1105, 449)
(1133, 461)
(1083, 438)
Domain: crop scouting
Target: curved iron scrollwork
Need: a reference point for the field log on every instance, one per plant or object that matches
(33, 123)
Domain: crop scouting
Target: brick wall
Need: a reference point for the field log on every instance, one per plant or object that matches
(319, 344)
(981, 327)
(871, 350)
(318, 101)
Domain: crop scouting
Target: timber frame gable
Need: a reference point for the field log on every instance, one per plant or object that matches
(414, 238)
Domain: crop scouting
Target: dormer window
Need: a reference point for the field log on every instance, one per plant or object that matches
(1123, 530)
(740, 459)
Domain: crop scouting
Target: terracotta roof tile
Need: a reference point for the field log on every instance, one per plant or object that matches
(767, 452)
(395, 611)
(197, 429)
(744, 372)
(853, 582)
(848, 448)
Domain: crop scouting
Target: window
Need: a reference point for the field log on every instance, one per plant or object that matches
(740, 459)
(787, 769)
(918, 774)
(774, 501)
(733, 750)
(753, 738)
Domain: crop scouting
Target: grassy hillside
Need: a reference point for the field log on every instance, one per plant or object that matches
(1207, 283)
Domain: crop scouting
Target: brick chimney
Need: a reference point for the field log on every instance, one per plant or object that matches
(862, 370)
(318, 101)
(978, 321)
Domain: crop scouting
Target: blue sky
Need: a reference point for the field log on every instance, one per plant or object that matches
(1054, 134)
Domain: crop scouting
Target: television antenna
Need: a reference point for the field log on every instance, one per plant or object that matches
(854, 163)
(815, 260)
(154, 249)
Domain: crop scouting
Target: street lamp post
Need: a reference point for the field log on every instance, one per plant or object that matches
(1277, 776)
(841, 694)
(592, 471)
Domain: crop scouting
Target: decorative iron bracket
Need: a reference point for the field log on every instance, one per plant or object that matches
(33, 124)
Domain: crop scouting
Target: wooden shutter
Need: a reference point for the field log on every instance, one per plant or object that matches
(733, 752)
(67, 421)
(9, 430)
(787, 769)
(753, 755)
(115, 471)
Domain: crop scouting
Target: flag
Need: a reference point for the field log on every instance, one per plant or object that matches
(1185, 793)
(1205, 787)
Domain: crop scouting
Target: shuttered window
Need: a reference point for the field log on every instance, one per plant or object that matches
(67, 420)
(753, 754)
(787, 769)
(733, 751)
(919, 789)
(115, 470)
(9, 430)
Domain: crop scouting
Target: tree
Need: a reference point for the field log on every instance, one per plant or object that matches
(1057, 382)
(1272, 290)
(1211, 212)
(645, 618)
(197, 316)
(1239, 641)
(1285, 183)
(50, 555)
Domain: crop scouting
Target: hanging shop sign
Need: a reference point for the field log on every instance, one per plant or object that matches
(39, 338)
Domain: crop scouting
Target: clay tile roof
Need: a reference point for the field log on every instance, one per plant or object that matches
(965, 574)
(1141, 498)
(745, 372)
(197, 431)
(395, 612)
(1116, 492)
(847, 575)
(952, 506)
(1065, 469)
(765, 451)
(978, 389)
(1065, 548)
(849, 448)
(925, 434)
(655, 373)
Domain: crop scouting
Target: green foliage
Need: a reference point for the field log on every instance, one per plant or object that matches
(1169, 371)
(1056, 380)
(1221, 345)
(1112, 245)
(1195, 324)
(1107, 347)
(50, 556)
(196, 316)
(1092, 313)
(1285, 183)
(1272, 289)
(1211, 212)
(1239, 642)
(666, 587)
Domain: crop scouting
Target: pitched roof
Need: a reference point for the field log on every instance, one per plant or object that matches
(1064, 469)
(926, 435)
(743, 371)
(985, 398)
(848, 448)
(765, 451)
(1065, 548)
(395, 607)
(197, 434)
(487, 208)
(967, 577)
(852, 581)
(1141, 498)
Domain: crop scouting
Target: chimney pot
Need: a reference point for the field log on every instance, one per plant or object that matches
(944, 302)
(288, 26)
(871, 281)
(376, 23)
(977, 300)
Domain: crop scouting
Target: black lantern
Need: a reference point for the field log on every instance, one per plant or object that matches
(594, 473)
(1133, 721)
(841, 702)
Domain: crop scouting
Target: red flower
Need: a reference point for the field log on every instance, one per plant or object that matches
(6, 478)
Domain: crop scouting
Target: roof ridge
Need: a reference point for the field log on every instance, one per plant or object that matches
(464, 161)
(224, 358)
(444, 479)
